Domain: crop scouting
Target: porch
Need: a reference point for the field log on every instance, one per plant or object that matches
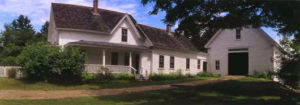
(114, 58)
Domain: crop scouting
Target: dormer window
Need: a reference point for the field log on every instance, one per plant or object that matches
(238, 34)
(124, 35)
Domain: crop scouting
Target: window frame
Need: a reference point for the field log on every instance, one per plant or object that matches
(199, 64)
(187, 63)
(172, 62)
(217, 64)
(124, 36)
(238, 34)
(161, 61)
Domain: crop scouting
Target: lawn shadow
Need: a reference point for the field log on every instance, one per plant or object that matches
(222, 93)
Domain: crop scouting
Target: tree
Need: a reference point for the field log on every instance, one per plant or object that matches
(43, 34)
(196, 17)
(15, 36)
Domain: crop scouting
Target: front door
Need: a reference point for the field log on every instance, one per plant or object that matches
(137, 63)
(238, 63)
(205, 66)
(114, 58)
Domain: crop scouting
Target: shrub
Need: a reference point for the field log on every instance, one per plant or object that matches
(38, 60)
(172, 76)
(102, 78)
(87, 77)
(41, 61)
(266, 75)
(123, 76)
(12, 73)
(208, 74)
(69, 64)
(290, 71)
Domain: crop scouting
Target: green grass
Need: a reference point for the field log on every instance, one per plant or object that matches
(248, 91)
(6, 83)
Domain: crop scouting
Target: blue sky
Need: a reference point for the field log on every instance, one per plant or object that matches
(38, 11)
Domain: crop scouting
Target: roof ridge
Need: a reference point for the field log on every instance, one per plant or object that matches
(152, 27)
(88, 7)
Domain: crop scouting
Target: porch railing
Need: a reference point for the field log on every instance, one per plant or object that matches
(115, 69)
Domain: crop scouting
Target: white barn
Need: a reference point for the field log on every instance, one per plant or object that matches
(242, 52)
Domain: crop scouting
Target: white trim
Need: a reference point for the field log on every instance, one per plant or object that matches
(81, 30)
(213, 38)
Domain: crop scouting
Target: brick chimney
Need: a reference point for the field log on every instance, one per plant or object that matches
(95, 8)
(169, 28)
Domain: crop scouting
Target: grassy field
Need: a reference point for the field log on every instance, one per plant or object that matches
(247, 91)
(6, 83)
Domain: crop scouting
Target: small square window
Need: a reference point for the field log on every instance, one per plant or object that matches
(238, 34)
(172, 62)
(124, 35)
(217, 64)
(161, 61)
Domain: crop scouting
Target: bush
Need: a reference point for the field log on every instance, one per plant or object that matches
(38, 60)
(87, 77)
(123, 76)
(172, 76)
(12, 73)
(208, 74)
(265, 75)
(69, 64)
(290, 71)
(102, 78)
(42, 61)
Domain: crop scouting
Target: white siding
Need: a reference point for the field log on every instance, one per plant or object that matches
(260, 50)
(180, 62)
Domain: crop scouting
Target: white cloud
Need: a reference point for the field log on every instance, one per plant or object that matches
(39, 10)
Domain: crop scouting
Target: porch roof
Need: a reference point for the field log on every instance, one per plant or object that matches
(106, 44)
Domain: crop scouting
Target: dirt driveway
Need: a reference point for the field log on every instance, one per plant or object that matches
(56, 94)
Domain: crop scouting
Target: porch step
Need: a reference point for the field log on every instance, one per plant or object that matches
(140, 77)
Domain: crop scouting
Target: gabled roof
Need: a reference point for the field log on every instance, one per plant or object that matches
(80, 17)
(264, 35)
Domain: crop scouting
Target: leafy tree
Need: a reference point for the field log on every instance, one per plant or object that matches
(196, 17)
(14, 38)
(43, 34)
(42, 61)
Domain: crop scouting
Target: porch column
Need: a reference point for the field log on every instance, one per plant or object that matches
(130, 59)
(103, 58)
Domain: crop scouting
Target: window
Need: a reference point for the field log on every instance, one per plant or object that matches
(124, 35)
(114, 58)
(188, 63)
(161, 61)
(171, 62)
(238, 34)
(199, 64)
(204, 66)
(126, 62)
(217, 64)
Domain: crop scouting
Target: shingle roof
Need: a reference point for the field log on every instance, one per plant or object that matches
(81, 17)
(161, 39)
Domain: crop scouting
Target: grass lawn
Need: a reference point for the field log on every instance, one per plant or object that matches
(247, 91)
(6, 83)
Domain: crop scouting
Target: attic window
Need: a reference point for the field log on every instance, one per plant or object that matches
(238, 33)
(124, 35)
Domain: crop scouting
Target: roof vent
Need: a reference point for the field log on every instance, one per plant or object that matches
(95, 8)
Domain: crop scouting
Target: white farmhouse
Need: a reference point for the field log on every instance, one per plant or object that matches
(114, 40)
